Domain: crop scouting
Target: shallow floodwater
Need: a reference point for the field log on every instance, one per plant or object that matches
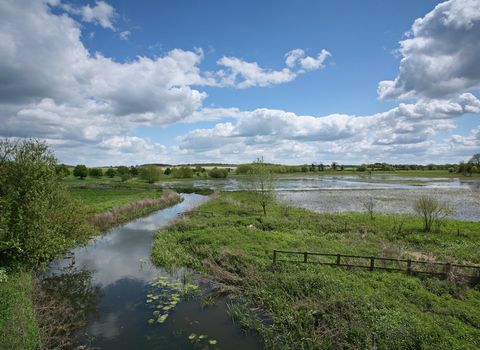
(108, 284)
(344, 193)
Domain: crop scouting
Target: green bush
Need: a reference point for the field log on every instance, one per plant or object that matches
(40, 218)
(150, 173)
(95, 172)
(80, 171)
(111, 173)
(218, 173)
(134, 171)
(62, 170)
(244, 169)
(122, 170)
(126, 177)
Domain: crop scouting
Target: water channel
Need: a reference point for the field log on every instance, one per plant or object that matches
(108, 284)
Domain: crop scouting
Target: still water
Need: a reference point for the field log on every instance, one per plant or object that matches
(340, 182)
(108, 284)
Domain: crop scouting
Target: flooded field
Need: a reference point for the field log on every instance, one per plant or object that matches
(393, 194)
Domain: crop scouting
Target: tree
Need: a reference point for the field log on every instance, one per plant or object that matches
(122, 170)
(167, 171)
(95, 172)
(111, 173)
(134, 171)
(261, 184)
(369, 204)
(334, 165)
(80, 171)
(244, 169)
(40, 217)
(186, 171)
(431, 210)
(218, 173)
(150, 173)
(475, 160)
(62, 170)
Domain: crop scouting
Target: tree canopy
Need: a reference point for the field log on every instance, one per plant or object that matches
(39, 217)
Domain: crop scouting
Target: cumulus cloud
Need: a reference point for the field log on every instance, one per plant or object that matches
(308, 62)
(406, 129)
(245, 74)
(102, 14)
(440, 57)
(124, 35)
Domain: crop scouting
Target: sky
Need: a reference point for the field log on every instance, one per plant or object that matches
(121, 82)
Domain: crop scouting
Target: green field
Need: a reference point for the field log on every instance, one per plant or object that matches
(310, 306)
(98, 200)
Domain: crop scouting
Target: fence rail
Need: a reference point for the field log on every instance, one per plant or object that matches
(406, 265)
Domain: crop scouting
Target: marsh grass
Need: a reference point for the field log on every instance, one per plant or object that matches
(124, 213)
(310, 306)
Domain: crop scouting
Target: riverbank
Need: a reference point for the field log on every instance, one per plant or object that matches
(310, 306)
(24, 322)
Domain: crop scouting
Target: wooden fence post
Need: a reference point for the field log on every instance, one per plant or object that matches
(274, 256)
(409, 266)
(372, 263)
(338, 259)
(305, 257)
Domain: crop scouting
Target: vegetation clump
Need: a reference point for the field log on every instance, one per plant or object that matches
(150, 173)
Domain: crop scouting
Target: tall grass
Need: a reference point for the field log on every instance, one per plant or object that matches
(124, 213)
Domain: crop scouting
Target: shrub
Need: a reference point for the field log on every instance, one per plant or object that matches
(62, 170)
(95, 172)
(431, 211)
(244, 169)
(167, 171)
(122, 170)
(111, 173)
(126, 177)
(80, 171)
(43, 219)
(134, 171)
(150, 173)
(218, 173)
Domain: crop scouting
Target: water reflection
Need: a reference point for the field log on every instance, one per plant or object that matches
(108, 284)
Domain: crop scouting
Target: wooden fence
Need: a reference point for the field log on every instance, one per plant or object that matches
(371, 262)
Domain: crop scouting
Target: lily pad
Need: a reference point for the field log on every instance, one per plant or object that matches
(149, 300)
(156, 313)
(151, 320)
(162, 318)
(167, 308)
(202, 336)
(192, 336)
(212, 342)
(149, 295)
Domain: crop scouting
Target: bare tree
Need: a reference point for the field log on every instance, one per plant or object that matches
(369, 204)
(431, 210)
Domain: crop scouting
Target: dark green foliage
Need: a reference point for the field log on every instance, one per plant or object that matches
(218, 173)
(362, 168)
(41, 218)
(244, 168)
(134, 171)
(80, 171)
(122, 170)
(95, 172)
(126, 177)
(62, 170)
(167, 171)
(184, 172)
(150, 173)
(111, 173)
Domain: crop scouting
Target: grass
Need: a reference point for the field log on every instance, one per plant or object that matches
(18, 325)
(308, 306)
(100, 199)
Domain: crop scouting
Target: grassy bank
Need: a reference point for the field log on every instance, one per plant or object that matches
(18, 324)
(307, 306)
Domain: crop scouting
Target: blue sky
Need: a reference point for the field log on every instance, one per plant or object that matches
(120, 82)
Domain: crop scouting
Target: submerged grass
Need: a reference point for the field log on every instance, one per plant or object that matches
(310, 306)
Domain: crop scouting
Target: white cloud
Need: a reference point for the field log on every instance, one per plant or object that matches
(440, 57)
(308, 62)
(402, 131)
(102, 13)
(250, 74)
(124, 35)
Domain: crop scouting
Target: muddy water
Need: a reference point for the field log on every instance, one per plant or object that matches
(108, 284)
